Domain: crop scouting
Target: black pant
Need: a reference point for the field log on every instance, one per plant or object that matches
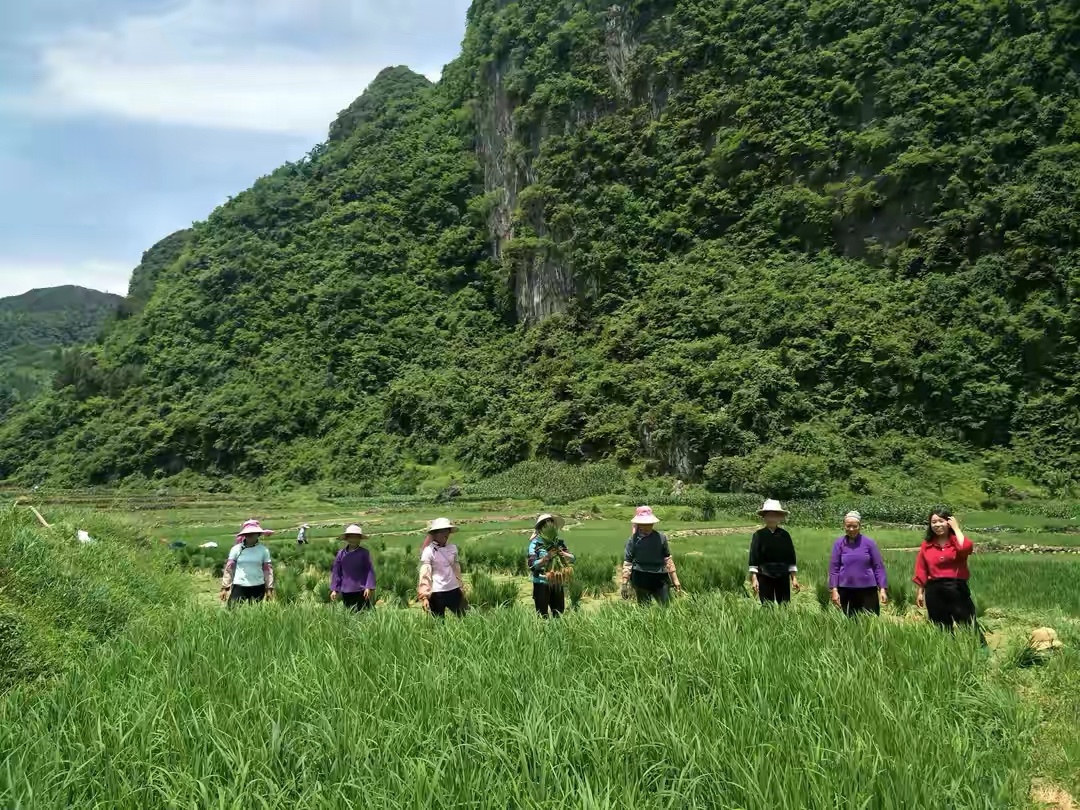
(356, 602)
(454, 601)
(948, 603)
(774, 589)
(650, 587)
(545, 597)
(859, 600)
(247, 593)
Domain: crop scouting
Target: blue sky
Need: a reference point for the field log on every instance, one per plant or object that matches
(122, 121)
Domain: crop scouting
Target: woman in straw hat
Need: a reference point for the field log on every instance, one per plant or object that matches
(548, 594)
(249, 573)
(856, 571)
(352, 576)
(441, 586)
(647, 564)
(773, 571)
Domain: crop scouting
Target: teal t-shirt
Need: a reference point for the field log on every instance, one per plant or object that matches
(249, 564)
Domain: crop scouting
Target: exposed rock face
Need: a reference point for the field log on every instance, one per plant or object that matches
(543, 279)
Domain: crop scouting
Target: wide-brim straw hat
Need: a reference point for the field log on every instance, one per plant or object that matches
(441, 524)
(772, 505)
(644, 517)
(1044, 639)
(252, 527)
(559, 522)
(353, 530)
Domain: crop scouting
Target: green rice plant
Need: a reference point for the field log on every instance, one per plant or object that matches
(823, 594)
(575, 590)
(401, 590)
(322, 592)
(487, 593)
(455, 707)
(899, 597)
(700, 574)
(287, 588)
(596, 573)
(505, 560)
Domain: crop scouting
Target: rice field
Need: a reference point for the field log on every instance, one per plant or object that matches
(710, 702)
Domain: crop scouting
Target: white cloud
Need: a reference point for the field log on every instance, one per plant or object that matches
(285, 66)
(17, 276)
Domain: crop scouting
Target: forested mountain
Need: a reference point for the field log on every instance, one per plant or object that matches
(783, 245)
(35, 328)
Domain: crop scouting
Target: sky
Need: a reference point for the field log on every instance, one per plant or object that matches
(122, 121)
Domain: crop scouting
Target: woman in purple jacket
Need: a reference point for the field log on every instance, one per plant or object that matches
(856, 571)
(352, 577)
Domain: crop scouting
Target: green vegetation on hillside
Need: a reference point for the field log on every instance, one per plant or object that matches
(37, 326)
(796, 247)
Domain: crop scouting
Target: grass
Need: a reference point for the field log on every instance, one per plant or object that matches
(59, 598)
(314, 708)
(713, 702)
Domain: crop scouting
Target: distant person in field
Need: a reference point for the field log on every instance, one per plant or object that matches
(549, 595)
(648, 568)
(249, 572)
(352, 576)
(441, 587)
(941, 574)
(302, 535)
(773, 569)
(856, 571)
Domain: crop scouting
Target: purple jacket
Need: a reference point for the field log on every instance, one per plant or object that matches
(856, 564)
(352, 571)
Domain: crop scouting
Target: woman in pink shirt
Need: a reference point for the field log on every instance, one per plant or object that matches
(441, 586)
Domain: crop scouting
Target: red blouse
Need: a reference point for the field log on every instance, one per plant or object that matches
(943, 562)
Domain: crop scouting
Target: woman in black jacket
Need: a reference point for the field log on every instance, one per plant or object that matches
(773, 572)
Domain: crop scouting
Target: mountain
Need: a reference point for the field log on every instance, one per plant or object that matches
(791, 246)
(34, 329)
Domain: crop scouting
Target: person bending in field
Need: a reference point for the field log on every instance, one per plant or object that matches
(856, 571)
(941, 574)
(352, 576)
(441, 587)
(647, 564)
(548, 591)
(302, 535)
(773, 572)
(249, 573)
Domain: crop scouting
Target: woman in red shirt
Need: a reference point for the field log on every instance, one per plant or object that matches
(941, 573)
